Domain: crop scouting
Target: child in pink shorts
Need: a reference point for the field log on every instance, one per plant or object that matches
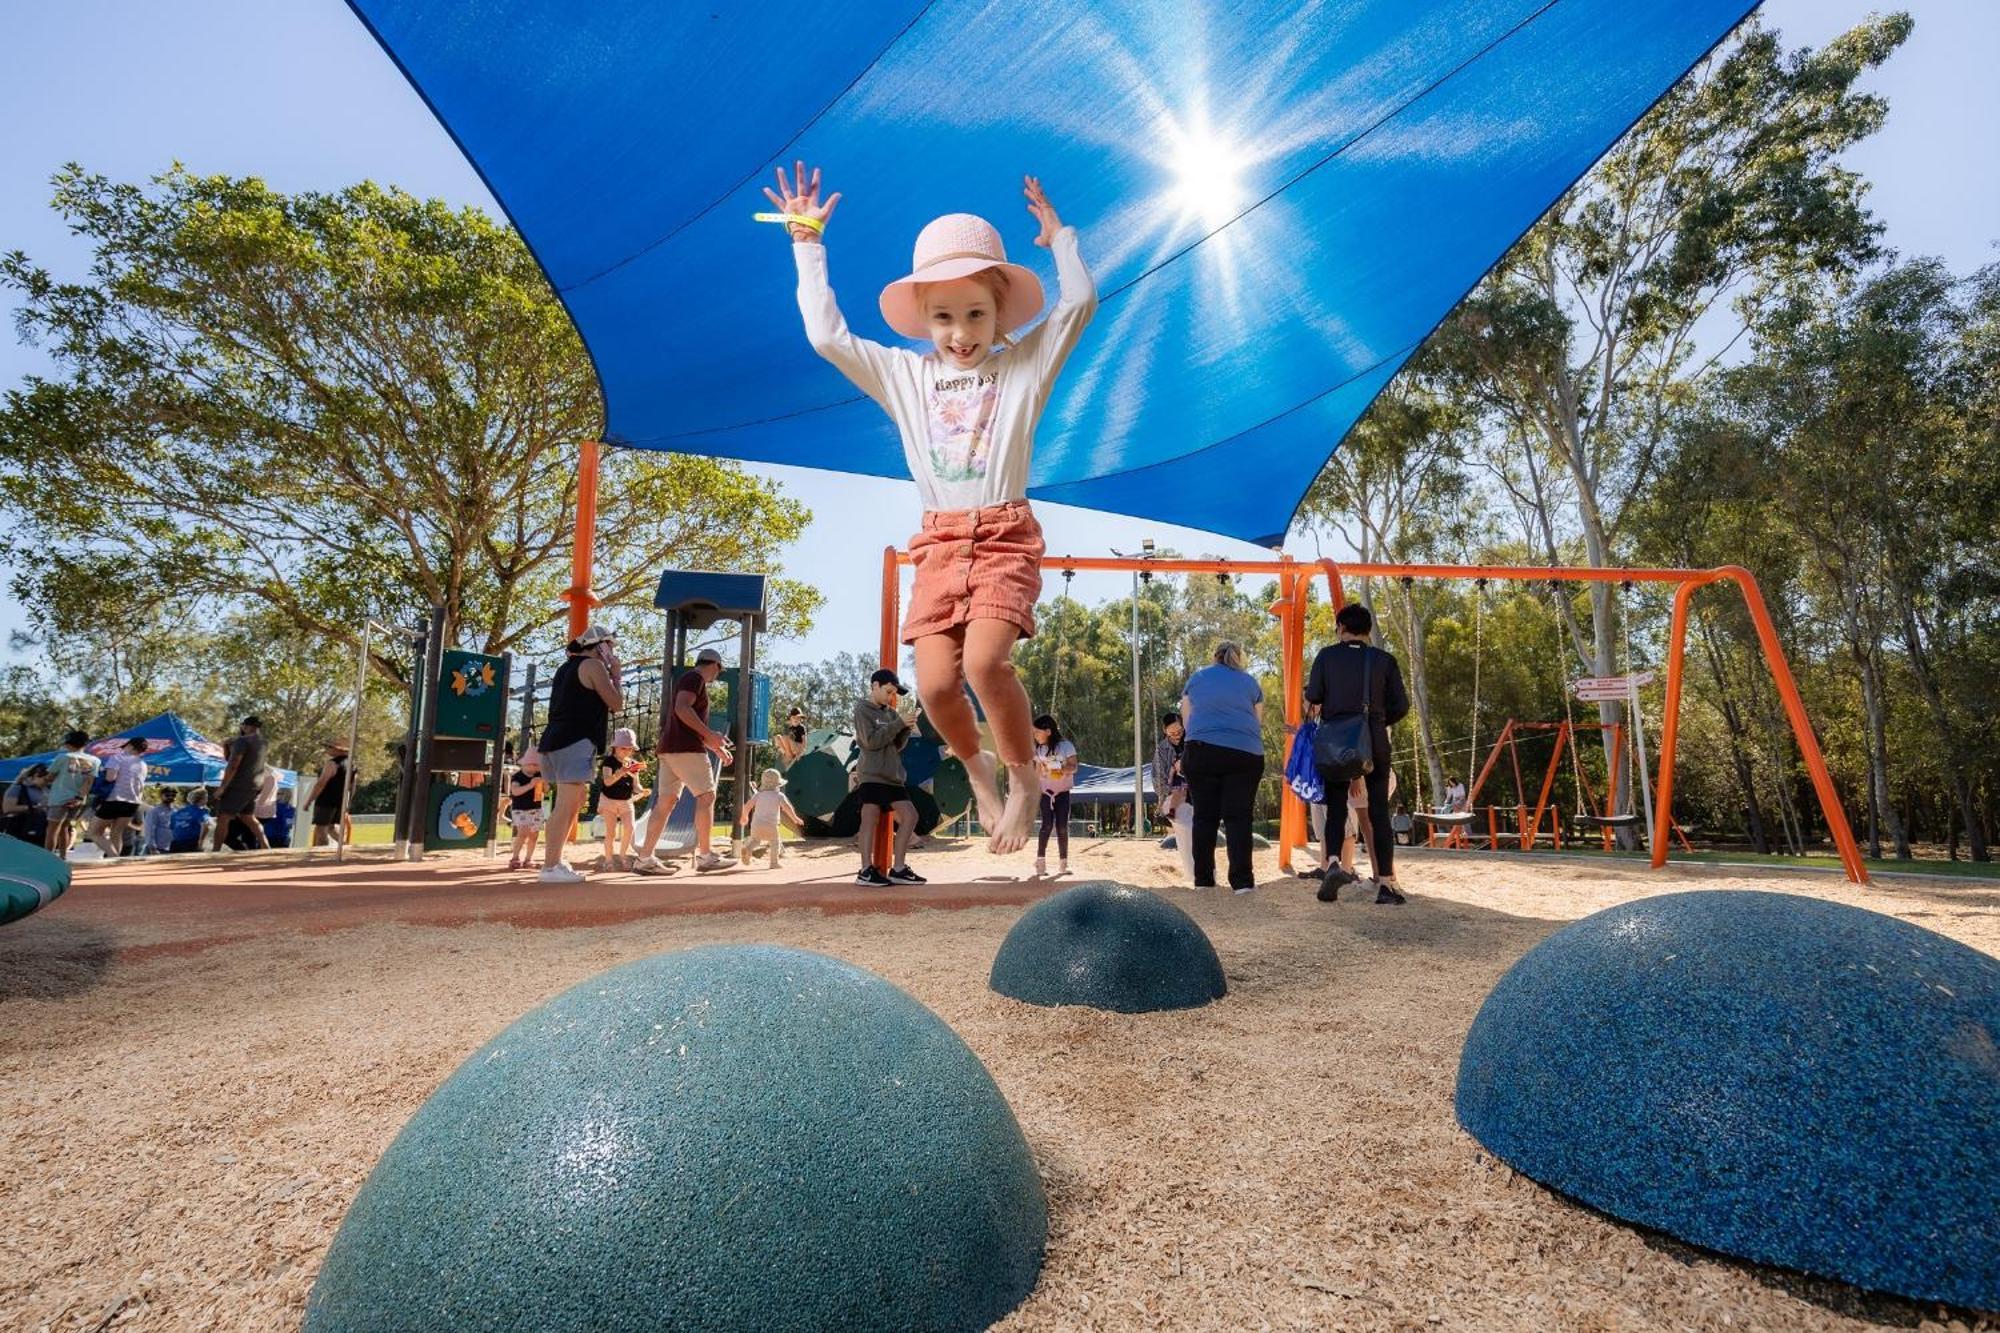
(966, 409)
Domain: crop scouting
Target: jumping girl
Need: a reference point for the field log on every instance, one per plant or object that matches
(966, 410)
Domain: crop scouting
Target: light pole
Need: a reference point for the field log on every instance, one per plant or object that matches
(1138, 718)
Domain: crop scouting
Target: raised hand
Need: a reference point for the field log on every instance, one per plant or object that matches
(1044, 211)
(800, 194)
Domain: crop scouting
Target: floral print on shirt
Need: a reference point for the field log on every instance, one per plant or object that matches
(962, 405)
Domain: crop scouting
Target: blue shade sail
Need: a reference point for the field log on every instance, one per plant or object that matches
(1278, 201)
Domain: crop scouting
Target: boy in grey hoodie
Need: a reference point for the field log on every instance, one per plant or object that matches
(882, 731)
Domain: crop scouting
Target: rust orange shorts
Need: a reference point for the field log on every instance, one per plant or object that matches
(975, 564)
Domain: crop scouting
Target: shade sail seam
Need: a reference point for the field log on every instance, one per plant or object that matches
(764, 421)
(1234, 436)
(779, 152)
(1356, 138)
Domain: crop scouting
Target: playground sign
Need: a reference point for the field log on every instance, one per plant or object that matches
(471, 696)
(458, 816)
(1610, 689)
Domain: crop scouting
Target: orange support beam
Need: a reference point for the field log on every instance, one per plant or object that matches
(582, 556)
(1788, 694)
(1290, 611)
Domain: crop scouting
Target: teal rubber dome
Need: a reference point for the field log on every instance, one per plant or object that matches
(30, 879)
(1109, 947)
(727, 1138)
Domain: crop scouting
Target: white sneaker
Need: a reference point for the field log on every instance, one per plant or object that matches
(559, 873)
(709, 861)
(652, 865)
(1062, 867)
(1041, 866)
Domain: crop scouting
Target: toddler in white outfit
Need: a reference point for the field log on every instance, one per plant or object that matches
(767, 808)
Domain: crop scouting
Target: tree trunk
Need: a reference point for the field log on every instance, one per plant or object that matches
(1597, 551)
(1956, 762)
(1881, 813)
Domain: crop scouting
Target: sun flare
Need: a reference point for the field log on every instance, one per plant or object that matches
(1206, 171)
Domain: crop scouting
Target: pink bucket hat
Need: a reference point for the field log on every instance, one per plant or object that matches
(959, 245)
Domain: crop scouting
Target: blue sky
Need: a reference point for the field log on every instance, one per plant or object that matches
(298, 93)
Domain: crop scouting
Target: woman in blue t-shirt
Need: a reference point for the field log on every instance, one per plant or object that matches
(1223, 712)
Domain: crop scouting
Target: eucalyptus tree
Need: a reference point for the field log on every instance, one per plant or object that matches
(334, 406)
(1581, 345)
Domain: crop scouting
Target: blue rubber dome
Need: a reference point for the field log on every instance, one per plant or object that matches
(1779, 1078)
(729, 1138)
(1109, 947)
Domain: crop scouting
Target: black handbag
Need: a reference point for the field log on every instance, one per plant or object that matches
(1343, 747)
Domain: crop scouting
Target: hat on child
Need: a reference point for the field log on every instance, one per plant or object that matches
(771, 779)
(959, 245)
(887, 677)
(625, 737)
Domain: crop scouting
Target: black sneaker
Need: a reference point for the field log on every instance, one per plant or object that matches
(1311, 872)
(1334, 881)
(1384, 895)
(873, 878)
(905, 875)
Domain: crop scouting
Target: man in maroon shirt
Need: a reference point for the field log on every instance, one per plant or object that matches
(685, 741)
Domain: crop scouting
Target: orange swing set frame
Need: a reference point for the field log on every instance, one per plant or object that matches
(1295, 577)
(1529, 821)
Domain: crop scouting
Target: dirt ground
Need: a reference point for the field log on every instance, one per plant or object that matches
(199, 1064)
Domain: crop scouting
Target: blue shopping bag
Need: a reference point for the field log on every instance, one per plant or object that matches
(1301, 773)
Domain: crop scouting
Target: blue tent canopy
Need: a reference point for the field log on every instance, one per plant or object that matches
(1095, 784)
(1279, 201)
(176, 755)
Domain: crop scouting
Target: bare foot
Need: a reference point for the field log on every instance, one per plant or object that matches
(1017, 820)
(984, 771)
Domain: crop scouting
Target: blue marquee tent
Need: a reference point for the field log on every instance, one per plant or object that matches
(1279, 200)
(1101, 785)
(176, 755)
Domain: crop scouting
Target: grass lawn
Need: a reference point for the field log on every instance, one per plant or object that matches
(1963, 869)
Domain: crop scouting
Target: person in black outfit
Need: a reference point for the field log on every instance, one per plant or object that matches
(791, 741)
(1335, 688)
(582, 697)
(329, 796)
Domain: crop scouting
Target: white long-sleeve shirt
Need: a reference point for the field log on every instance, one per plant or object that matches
(968, 435)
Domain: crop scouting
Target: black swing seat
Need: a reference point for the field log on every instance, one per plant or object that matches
(1449, 818)
(1610, 821)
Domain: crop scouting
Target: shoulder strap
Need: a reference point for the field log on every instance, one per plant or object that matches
(1367, 681)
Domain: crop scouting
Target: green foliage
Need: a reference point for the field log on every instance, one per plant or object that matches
(321, 408)
(1583, 407)
(32, 719)
(826, 690)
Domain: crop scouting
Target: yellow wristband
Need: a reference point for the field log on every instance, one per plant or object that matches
(786, 219)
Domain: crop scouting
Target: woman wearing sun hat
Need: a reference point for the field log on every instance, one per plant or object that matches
(582, 695)
(966, 408)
